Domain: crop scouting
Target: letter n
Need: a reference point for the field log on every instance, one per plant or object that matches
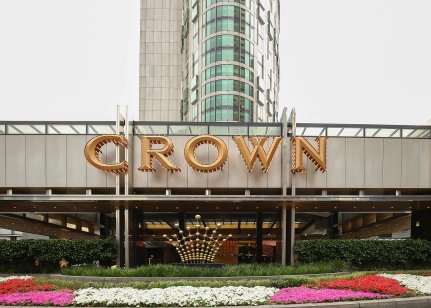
(317, 156)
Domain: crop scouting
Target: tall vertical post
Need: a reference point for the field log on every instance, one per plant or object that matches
(333, 225)
(289, 216)
(288, 237)
(117, 151)
(126, 151)
(283, 236)
(421, 224)
(127, 225)
(259, 236)
(182, 220)
(284, 152)
(288, 212)
(119, 235)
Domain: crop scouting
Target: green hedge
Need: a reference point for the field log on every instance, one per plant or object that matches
(366, 253)
(166, 270)
(47, 252)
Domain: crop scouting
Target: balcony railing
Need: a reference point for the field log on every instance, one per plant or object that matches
(218, 128)
(363, 131)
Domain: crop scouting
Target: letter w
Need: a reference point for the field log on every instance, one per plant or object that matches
(258, 151)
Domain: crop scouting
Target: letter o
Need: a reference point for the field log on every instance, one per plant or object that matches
(194, 143)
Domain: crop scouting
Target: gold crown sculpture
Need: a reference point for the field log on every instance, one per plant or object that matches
(198, 247)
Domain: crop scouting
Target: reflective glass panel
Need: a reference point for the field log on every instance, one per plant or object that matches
(67, 129)
(416, 133)
(188, 130)
(101, 129)
(310, 131)
(345, 132)
(383, 132)
(26, 129)
(151, 130)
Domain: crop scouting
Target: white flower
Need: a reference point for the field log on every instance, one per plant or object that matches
(175, 296)
(417, 283)
(3, 279)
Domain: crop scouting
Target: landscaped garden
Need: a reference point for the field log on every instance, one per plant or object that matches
(361, 270)
(42, 291)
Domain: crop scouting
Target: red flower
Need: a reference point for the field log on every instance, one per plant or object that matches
(370, 283)
(24, 285)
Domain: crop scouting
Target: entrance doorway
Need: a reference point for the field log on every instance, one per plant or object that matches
(256, 237)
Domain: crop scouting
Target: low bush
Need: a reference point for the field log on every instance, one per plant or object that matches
(225, 271)
(50, 252)
(289, 282)
(368, 254)
(77, 284)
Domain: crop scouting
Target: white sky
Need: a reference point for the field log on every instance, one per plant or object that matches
(344, 61)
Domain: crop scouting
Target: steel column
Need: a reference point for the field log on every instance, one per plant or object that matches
(259, 235)
(119, 235)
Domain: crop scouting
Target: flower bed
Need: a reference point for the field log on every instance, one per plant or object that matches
(299, 295)
(3, 279)
(417, 283)
(38, 298)
(23, 285)
(26, 290)
(369, 283)
(174, 296)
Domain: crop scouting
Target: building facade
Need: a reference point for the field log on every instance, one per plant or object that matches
(160, 60)
(226, 60)
(356, 181)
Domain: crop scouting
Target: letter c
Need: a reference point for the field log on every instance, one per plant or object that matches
(93, 149)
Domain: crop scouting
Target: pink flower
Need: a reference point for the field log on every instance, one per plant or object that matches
(39, 298)
(303, 294)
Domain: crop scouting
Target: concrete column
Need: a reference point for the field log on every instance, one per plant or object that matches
(63, 219)
(128, 225)
(182, 220)
(78, 224)
(105, 221)
(280, 243)
(119, 235)
(288, 226)
(259, 234)
(137, 238)
(421, 224)
(333, 225)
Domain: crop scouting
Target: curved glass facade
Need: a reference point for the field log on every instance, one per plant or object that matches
(227, 85)
(227, 47)
(226, 107)
(231, 66)
(227, 18)
(248, 3)
(228, 70)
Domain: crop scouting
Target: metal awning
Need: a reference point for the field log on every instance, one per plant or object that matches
(212, 203)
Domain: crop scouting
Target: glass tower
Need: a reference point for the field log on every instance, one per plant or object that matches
(229, 61)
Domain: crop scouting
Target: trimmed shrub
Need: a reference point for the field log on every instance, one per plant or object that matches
(366, 253)
(162, 270)
(289, 282)
(50, 252)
